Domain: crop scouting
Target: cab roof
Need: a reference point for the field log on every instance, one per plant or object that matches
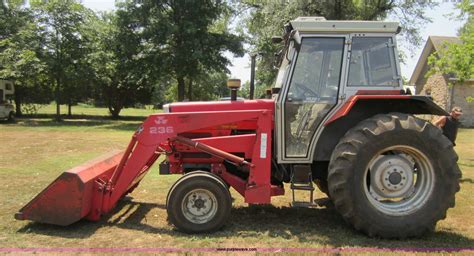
(320, 24)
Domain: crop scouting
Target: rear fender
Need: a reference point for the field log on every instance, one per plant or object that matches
(361, 107)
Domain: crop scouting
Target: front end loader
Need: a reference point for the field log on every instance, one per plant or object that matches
(338, 118)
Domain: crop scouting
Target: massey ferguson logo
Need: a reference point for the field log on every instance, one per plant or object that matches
(161, 120)
(161, 127)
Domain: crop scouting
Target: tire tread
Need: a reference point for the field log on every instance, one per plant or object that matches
(345, 156)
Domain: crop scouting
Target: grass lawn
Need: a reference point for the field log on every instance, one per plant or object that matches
(33, 152)
(89, 110)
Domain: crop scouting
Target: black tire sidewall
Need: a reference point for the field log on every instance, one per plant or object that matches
(426, 213)
(193, 173)
(176, 197)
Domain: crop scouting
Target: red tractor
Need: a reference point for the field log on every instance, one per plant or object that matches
(338, 117)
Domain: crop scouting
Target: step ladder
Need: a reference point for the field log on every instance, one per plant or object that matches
(301, 179)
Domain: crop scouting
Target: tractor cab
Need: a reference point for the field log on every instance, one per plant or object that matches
(323, 64)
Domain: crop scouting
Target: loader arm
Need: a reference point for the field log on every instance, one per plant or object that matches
(103, 187)
(143, 149)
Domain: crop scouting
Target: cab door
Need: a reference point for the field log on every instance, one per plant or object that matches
(310, 93)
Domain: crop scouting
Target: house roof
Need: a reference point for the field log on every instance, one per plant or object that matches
(433, 43)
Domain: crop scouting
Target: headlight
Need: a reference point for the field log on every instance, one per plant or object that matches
(166, 108)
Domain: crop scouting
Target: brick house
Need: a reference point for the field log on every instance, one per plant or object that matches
(445, 90)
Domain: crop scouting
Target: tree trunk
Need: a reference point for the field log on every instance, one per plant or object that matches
(115, 103)
(181, 88)
(69, 109)
(190, 89)
(58, 101)
(115, 111)
(18, 112)
(58, 111)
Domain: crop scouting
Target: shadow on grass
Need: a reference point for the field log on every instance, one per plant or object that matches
(104, 123)
(93, 117)
(131, 218)
(308, 225)
(5, 121)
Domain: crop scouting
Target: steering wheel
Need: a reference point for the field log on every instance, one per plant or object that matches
(303, 89)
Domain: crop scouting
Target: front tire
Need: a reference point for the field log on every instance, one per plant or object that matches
(393, 176)
(199, 202)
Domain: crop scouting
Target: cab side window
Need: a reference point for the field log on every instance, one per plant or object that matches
(372, 62)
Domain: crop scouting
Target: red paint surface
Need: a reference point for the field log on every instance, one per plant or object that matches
(222, 105)
(69, 198)
(379, 92)
(93, 189)
(347, 106)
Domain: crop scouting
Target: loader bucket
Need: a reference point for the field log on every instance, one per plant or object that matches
(71, 196)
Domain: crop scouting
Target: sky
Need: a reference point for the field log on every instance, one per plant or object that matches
(441, 26)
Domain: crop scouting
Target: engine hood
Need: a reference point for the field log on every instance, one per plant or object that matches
(201, 106)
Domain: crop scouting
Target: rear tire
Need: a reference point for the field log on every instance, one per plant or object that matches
(393, 176)
(199, 202)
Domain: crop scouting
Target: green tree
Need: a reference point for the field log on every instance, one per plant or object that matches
(123, 73)
(265, 19)
(12, 18)
(454, 59)
(61, 22)
(206, 86)
(183, 35)
(79, 85)
(260, 91)
(79, 74)
(20, 54)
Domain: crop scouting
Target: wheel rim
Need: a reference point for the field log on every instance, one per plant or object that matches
(199, 206)
(399, 180)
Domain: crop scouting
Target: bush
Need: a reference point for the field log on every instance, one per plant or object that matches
(31, 108)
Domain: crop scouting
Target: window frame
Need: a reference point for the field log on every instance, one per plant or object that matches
(280, 117)
(393, 55)
(321, 81)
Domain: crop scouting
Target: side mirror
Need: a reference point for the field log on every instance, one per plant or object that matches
(277, 39)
